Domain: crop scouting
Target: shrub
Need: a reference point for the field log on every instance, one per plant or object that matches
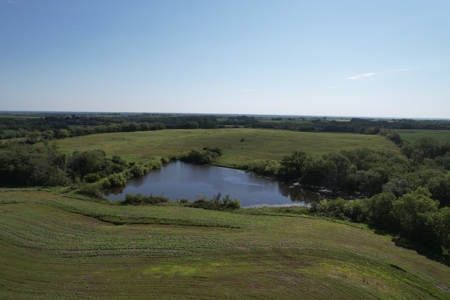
(264, 167)
(138, 171)
(140, 199)
(90, 190)
(92, 177)
(104, 183)
(205, 156)
(118, 160)
(154, 164)
(215, 203)
(117, 180)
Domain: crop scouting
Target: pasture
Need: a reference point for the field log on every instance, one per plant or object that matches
(53, 247)
(240, 145)
(412, 135)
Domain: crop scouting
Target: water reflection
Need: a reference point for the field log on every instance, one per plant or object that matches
(179, 180)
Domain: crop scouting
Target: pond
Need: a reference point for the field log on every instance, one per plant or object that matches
(180, 180)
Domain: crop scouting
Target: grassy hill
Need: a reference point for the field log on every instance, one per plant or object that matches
(240, 145)
(53, 247)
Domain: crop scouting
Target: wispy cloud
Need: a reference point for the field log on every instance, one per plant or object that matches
(360, 76)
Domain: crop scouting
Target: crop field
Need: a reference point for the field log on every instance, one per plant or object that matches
(412, 135)
(240, 145)
(53, 247)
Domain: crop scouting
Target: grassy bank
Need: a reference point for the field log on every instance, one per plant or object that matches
(52, 247)
(240, 145)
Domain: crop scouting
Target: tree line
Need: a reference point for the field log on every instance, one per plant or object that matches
(406, 193)
(60, 127)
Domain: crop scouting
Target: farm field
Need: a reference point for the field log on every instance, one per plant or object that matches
(53, 247)
(412, 135)
(240, 145)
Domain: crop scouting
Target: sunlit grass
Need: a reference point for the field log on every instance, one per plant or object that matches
(53, 247)
(240, 145)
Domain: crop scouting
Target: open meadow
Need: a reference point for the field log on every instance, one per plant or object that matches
(240, 145)
(53, 247)
(412, 135)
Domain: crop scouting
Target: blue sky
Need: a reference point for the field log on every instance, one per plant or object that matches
(384, 58)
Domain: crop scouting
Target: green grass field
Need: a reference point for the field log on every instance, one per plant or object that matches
(412, 135)
(240, 145)
(52, 247)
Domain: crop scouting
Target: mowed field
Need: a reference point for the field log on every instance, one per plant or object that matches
(412, 135)
(240, 145)
(52, 247)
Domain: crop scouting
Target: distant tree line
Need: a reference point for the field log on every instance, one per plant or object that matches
(355, 125)
(59, 127)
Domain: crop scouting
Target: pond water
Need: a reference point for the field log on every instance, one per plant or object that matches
(180, 180)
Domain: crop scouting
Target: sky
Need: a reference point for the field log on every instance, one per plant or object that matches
(383, 58)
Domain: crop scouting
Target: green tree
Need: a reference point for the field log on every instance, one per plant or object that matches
(409, 208)
(48, 135)
(293, 166)
(33, 137)
(63, 133)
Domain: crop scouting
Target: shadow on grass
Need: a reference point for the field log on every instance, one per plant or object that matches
(400, 241)
(421, 250)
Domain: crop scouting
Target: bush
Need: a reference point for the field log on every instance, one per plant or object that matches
(264, 167)
(207, 155)
(117, 180)
(118, 160)
(104, 183)
(154, 164)
(140, 199)
(215, 203)
(138, 171)
(90, 190)
(92, 177)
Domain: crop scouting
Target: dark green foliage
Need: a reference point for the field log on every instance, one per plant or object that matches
(139, 199)
(118, 160)
(413, 211)
(395, 137)
(379, 209)
(22, 165)
(216, 150)
(293, 167)
(398, 187)
(138, 171)
(84, 162)
(443, 161)
(371, 182)
(372, 130)
(92, 177)
(90, 190)
(207, 155)
(439, 187)
(216, 203)
(263, 167)
(117, 180)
